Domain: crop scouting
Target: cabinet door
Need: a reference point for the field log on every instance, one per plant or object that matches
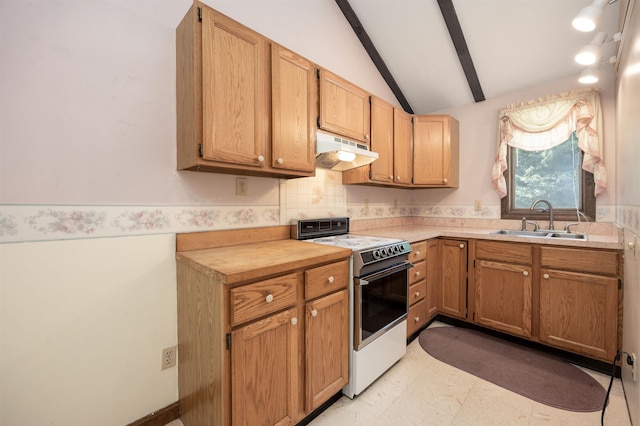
(327, 347)
(382, 140)
(503, 297)
(578, 312)
(402, 151)
(435, 150)
(432, 279)
(294, 100)
(453, 278)
(264, 378)
(235, 92)
(344, 107)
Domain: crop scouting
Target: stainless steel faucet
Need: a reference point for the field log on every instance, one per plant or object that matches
(549, 207)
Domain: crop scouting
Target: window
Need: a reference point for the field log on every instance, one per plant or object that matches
(553, 174)
(551, 148)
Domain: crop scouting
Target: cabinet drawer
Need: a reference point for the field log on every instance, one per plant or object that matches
(264, 297)
(417, 317)
(326, 279)
(505, 252)
(418, 252)
(570, 259)
(418, 272)
(417, 292)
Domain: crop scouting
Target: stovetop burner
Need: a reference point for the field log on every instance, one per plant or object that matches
(335, 231)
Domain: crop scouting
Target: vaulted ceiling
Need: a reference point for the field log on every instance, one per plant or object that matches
(436, 54)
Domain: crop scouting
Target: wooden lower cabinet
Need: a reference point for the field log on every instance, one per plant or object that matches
(417, 316)
(503, 287)
(452, 292)
(326, 347)
(579, 294)
(264, 373)
(266, 352)
(432, 279)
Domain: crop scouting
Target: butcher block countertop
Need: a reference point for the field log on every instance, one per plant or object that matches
(237, 264)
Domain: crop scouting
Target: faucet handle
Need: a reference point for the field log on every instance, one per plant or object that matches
(525, 222)
(568, 226)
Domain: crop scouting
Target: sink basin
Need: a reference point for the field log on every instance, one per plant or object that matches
(568, 235)
(516, 233)
(541, 234)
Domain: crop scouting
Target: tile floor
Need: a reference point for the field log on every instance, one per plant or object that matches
(420, 390)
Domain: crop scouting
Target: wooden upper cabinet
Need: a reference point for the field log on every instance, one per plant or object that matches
(344, 108)
(435, 151)
(235, 92)
(402, 152)
(382, 140)
(294, 102)
(227, 94)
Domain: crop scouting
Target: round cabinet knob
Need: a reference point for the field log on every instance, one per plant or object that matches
(417, 294)
(416, 319)
(444, 181)
(331, 279)
(545, 276)
(525, 273)
(260, 158)
(461, 245)
(314, 313)
(280, 161)
(398, 177)
(269, 298)
(391, 177)
(366, 136)
(294, 321)
(417, 273)
(418, 253)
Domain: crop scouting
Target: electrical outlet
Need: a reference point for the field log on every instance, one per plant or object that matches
(395, 204)
(242, 186)
(633, 367)
(169, 357)
(366, 206)
(477, 205)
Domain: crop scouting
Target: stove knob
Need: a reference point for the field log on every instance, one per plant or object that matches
(397, 249)
(376, 254)
(383, 251)
(401, 247)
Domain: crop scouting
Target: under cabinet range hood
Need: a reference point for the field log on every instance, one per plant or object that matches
(336, 153)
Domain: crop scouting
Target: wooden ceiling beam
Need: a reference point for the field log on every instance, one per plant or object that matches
(368, 45)
(457, 37)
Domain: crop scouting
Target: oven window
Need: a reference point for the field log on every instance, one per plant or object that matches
(384, 301)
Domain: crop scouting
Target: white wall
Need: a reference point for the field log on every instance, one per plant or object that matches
(628, 159)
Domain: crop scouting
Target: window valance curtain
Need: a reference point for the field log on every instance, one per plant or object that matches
(543, 123)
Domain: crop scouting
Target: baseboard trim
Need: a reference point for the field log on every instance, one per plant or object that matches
(161, 417)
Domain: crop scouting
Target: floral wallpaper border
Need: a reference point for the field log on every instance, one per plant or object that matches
(21, 223)
(43, 223)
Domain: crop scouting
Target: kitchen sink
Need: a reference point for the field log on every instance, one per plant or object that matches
(541, 234)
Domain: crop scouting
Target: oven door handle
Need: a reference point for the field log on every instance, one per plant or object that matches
(388, 271)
